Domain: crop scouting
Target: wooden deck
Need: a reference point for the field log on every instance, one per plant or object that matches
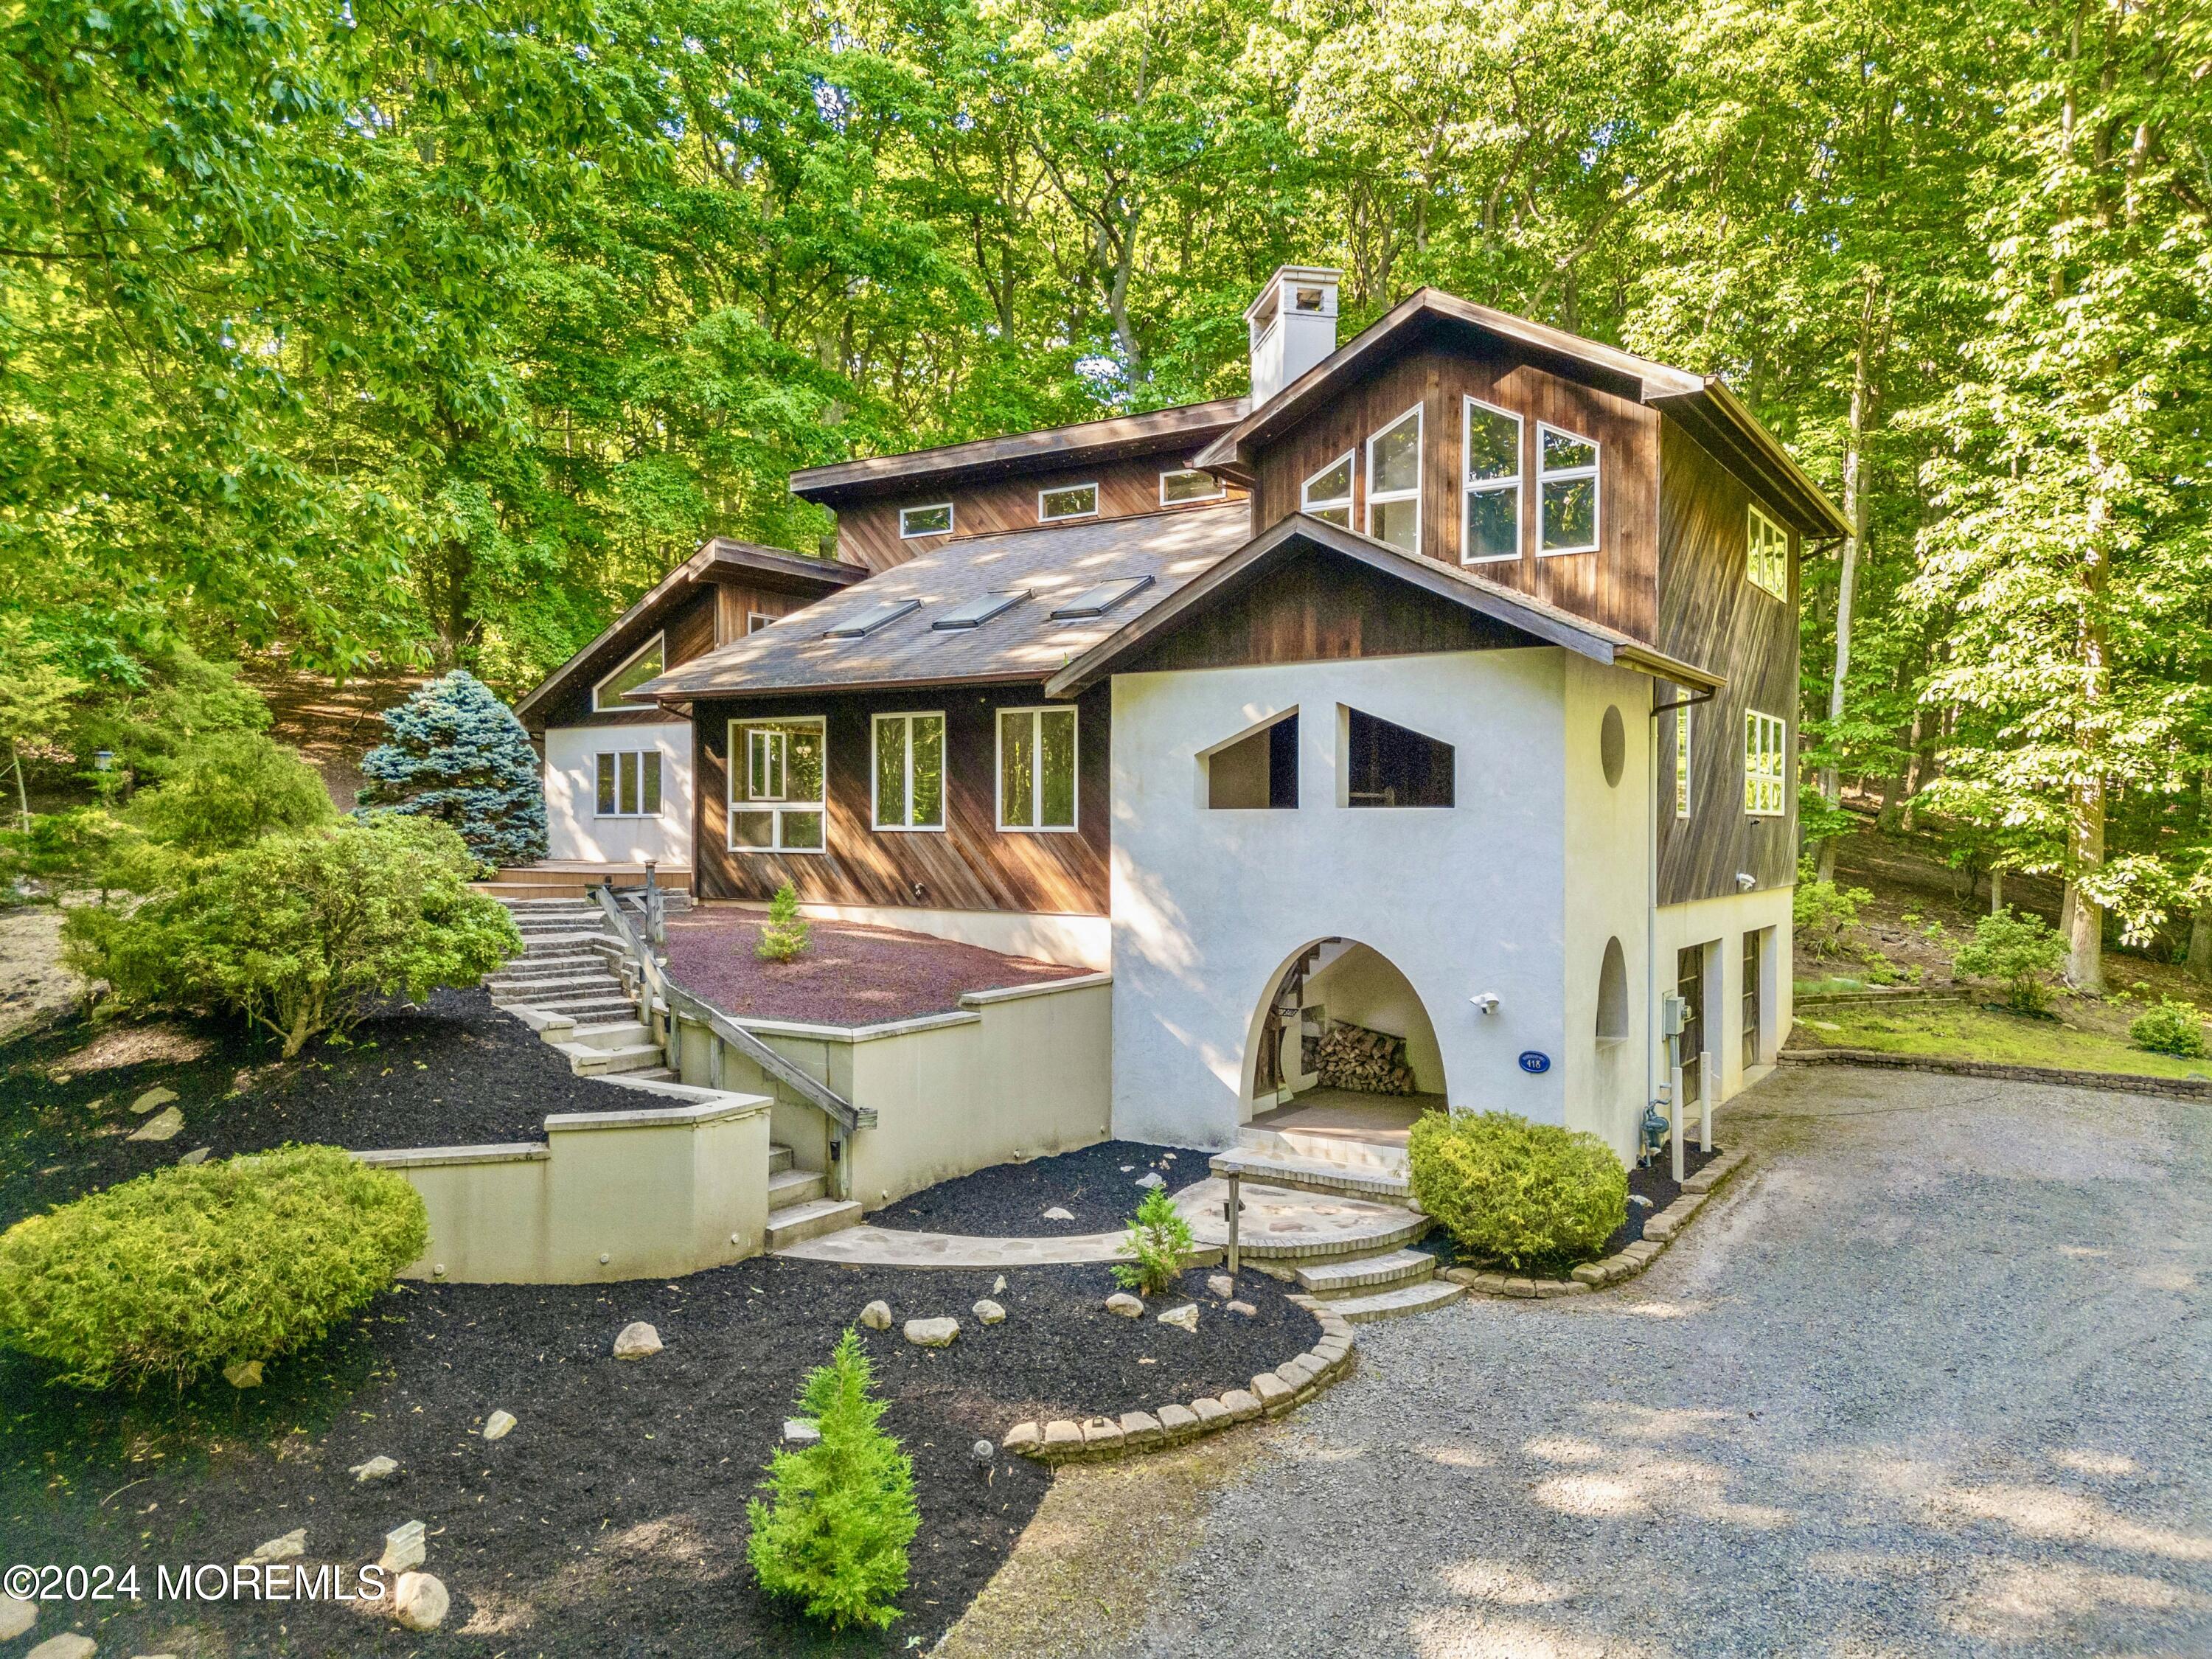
(574, 878)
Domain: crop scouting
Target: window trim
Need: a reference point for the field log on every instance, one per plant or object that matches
(1220, 488)
(1684, 793)
(625, 705)
(1037, 786)
(1091, 512)
(1418, 415)
(660, 782)
(1757, 728)
(756, 620)
(734, 753)
(906, 717)
(951, 520)
(1753, 518)
(1567, 474)
(1313, 509)
(1471, 486)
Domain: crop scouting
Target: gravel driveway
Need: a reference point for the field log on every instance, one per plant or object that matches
(1933, 1377)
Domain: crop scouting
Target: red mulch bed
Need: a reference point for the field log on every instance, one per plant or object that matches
(853, 974)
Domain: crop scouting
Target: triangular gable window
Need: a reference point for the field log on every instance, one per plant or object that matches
(1387, 765)
(611, 694)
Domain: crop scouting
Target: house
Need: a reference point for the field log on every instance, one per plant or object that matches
(1445, 687)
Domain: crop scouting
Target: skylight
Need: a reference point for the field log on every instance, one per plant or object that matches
(865, 622)
(1097, 601)
(973, 613)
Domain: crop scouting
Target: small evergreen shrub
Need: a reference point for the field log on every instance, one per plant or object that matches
(1824, 911)
(2019, 949)
(833, 1535)
(787, 935)
(1160, 1238)
(458, 754)
(1512, 1191)
(229, 790)
(194, 1266)
(2172, 1028)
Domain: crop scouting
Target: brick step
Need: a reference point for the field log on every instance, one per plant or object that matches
(1366, 1275)
(779, 1157)
(789, 1188)
(811, 1220)
(1313, 1176)
(1396, 1303)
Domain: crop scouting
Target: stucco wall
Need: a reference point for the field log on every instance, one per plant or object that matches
(573, 829)
(1720, 924)
(1209, 907)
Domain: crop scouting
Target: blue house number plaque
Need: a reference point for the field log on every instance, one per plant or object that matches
(1533, 1063)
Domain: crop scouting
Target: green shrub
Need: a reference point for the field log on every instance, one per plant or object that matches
(2019, 949)
(834, 1536)
(788, 934)
(196, 1266)
(1513, 1191)
(229, 790)
(294, 930)
(1160, 1238)
(2172, 1028)
(1823, 912)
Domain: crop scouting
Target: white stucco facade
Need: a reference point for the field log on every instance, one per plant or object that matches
(574, 828)
(1719, 924)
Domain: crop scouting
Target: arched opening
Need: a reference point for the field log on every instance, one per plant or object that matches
(1340, 1035)
(1613, 994)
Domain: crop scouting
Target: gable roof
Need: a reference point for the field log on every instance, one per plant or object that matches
(1543, 623)
(1023, 643)
(720, 559)
(1706, 407)
(1186, 427)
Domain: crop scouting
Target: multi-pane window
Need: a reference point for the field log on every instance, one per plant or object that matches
(1566, 491)
(649, 662)
(1766, 766)
(629, 783)
(1393, 483)
(1071, 501)
(1494, 484)
(1328, 493)
(935, 519)
(1037, 769)
(1768, 561)
(909, 790)
(777, 774)
(1682, 761)
(1177, 488)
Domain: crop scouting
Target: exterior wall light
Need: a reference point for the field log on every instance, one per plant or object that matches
(1485, 1002)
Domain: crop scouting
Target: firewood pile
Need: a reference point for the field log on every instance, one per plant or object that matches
(1353, 1057)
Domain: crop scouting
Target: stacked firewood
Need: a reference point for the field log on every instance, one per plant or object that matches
(1353, 1057)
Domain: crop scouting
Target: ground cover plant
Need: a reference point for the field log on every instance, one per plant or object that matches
(1961, 1031)
(1512, 1191)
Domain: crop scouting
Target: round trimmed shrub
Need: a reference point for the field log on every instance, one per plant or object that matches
(2172, 1028)
(195, 1266)
(1512, 1191)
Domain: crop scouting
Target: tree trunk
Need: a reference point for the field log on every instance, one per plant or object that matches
(1855, 509)
(22, 795)
(2085, 961)
(2199, 960)
(1996, 889)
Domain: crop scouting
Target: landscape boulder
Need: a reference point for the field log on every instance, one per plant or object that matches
(1059, 1213)
(1123, 1304)
(876, 1315)
(498, 1425)
(404, 1546)
(376, 1468)
(16, 1617)
(152, 1099)
(1221, 1285)
(419, 1600)
(1186, 1316)
(166, 1125)
(637, 1341)
(68, 1645)
(989, 1312)
(1151, 1178)
(931, 1333)
(283, 1548)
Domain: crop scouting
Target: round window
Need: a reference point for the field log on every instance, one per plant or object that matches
(1611, 746)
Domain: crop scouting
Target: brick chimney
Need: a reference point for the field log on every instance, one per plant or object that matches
(1292, 326)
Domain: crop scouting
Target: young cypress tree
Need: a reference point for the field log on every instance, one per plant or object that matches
(787, 934)
(458, 754)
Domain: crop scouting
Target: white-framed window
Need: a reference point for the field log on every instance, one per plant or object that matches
(1393, 483)
(935, 519)
(1068, 501)
(1492, 519)
(1036, 769)
(779, 777)
(628, 782)
(1766, 764)
(1184, 486)
(1566, 491)
(1327, 495)
(908, 788)
(1682, 761)
(649, 661)
(756, 620)
(1766, 561)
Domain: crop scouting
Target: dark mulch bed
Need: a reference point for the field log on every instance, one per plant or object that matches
(853, 976)
(611, 1521)
(1098, 1183)
(452, 1073)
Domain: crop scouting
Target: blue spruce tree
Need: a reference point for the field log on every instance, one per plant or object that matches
(458, 754)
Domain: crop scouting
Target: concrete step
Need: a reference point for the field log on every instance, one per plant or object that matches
(1366, 1275)
(589, 1061)
(811, 1220)
(779, 1157)
(596, 1008)
(1310, 1147)
(525, 986)
(1313, 1176)
(787, 1187)
(540, 953)
(654, 1074)
(1396, 1303)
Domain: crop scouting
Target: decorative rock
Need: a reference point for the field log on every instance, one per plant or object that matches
(1151, 1178)
(1058, 1213)
(243, 1374)
(990, 1312)
(404, 1546)
(1245, 1308)
(1123, 1304)
(1178, 1423)
(375, 1469)
(1211, 1413)
(638, 1340)
(999, 1285)
(1024, 1438)
(931, 1333)
(800, 1432)
(1141, 1429)
(153, 1098)
(419, 1600)
(167, 1125)
(1221, 1285)
(293, 1543)
(16, 1617)
(1186, 1316)
(498, 1425)
(198, 1155)
(876, 1315)
(68, 1645)
(1241, 1405)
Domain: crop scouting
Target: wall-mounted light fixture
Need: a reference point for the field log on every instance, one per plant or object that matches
(1745, 881)
(1485, 1002)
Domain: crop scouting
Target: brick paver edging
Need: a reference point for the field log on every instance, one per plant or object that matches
(1658, 1233)
(1096, 1439)
(2179, 1088)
